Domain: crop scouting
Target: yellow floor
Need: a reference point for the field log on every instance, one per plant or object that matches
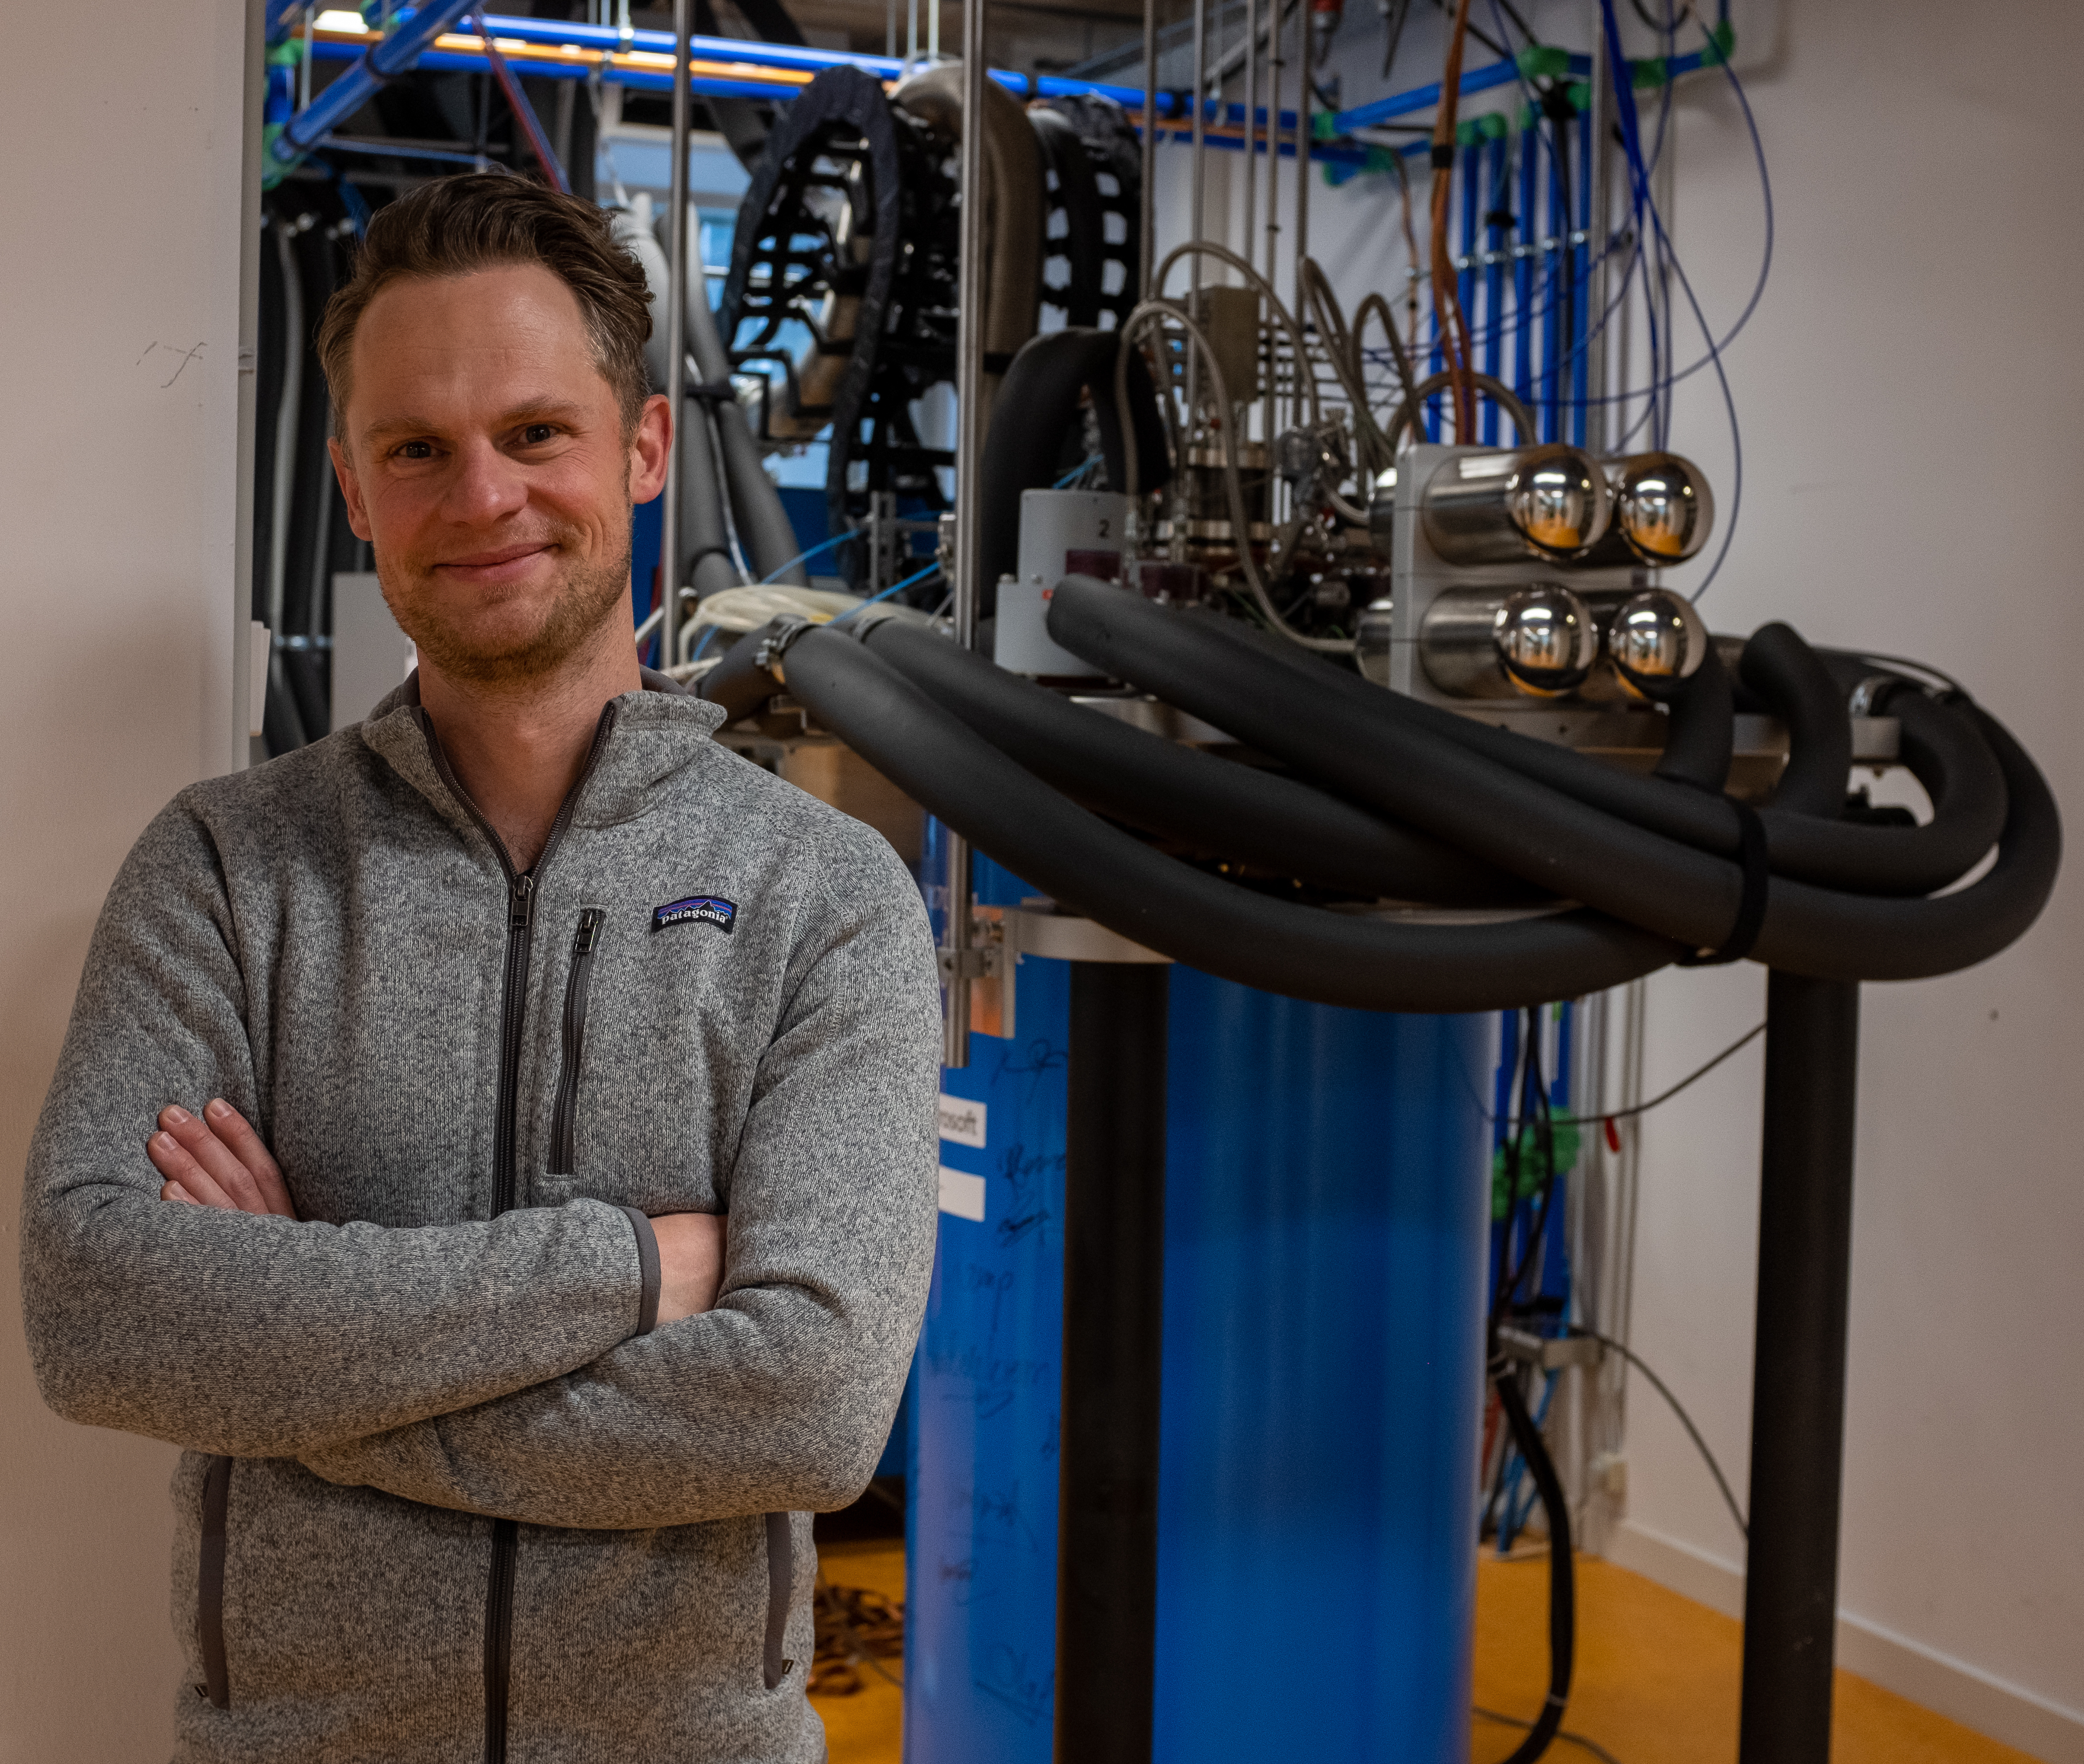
(1656, 1681)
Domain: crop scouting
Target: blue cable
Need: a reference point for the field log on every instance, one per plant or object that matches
(920, 575)
(801, 557)
(1077, 470)
(1632, 138)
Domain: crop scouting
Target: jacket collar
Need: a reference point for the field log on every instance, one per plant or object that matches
(658, 732)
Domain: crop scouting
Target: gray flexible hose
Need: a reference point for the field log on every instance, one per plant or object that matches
(703, 536)
(764, 527)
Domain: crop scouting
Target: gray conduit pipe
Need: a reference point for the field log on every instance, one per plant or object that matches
(764, 527)
(703, 536)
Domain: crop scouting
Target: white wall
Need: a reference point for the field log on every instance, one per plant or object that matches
(119, 251)
(1907, 391)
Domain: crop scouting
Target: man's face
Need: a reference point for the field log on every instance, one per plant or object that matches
(485, 463)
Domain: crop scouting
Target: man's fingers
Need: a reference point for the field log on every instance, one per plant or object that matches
(230, 1126)
(215, 1158)
(175, 1191)
(171, 1159)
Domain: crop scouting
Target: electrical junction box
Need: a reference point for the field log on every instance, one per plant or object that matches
(1062, 533)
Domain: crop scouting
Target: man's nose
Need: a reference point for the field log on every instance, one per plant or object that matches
(485, 487)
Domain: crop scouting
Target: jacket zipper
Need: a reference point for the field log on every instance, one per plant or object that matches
(216, 1686)
(513, 1008)
(563, 1126)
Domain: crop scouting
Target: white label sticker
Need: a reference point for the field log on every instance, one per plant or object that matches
(962, 1194)
(962, 1121)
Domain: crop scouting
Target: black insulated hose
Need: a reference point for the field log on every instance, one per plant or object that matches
(1566, 822)
(1079, 860)
(1383, 797)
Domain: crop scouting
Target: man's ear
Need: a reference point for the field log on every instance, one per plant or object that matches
(350, 490)
(648, 447)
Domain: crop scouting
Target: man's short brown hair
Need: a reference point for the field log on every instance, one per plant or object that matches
(456, 227)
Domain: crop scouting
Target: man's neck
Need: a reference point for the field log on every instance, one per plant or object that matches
(519, 746)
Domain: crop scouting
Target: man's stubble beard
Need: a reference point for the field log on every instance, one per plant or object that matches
(583, 602)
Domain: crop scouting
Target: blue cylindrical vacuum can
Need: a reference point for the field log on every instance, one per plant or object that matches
(1327, 1209)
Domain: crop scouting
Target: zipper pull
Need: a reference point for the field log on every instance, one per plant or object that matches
(589, 931)
(521, 903)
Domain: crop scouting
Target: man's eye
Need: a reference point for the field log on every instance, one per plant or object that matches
(536, 433)
(417, 449)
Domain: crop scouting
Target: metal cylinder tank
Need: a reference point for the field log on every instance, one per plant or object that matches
(1327, 1212)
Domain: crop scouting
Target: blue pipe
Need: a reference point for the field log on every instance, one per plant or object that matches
(1522, 270)
(396, 54)
(1347, 155)
(1465, 280)
(1494, 285)
(1477, 79)
(1581, 282)
(1495, 73)
(1552, 342)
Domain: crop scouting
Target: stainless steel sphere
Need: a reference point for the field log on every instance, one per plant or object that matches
(1557, 499)
(1657, 640)
(1663, 507)
(1546, 640)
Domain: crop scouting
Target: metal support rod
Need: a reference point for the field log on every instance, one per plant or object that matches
(1306, 87)
(677, 343)
(1200, 187)
(1250, 120)
(1197, 201)
(1114, 1268)
(1147, 237)
(1269, 425)
(957, 967)
(1812, 1049)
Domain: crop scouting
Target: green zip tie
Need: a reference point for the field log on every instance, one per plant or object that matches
(1323, 125)
(1542, 61)
(1493, 124)
(1579, 92)
(286, 54)
(1715, 52)
(1649, 74)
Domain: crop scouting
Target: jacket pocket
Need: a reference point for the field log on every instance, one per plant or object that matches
(780, 1575)
(564, 1131)
(216, 1686)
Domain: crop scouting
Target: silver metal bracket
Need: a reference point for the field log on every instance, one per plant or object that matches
(1550, 1353)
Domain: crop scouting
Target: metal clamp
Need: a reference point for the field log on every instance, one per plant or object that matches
(1550, 1353)
(774, 646)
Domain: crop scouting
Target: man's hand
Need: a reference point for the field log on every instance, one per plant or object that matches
(216, 1161)
(690, 1263)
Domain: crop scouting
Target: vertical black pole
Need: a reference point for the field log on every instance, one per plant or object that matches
(1798, 1379)
(1114, 1265)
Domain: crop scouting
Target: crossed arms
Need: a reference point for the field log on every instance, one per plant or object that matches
(492, 1366)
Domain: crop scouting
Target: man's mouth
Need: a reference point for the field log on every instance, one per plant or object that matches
(497, 563)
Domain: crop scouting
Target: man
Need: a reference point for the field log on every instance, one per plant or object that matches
(496, 1447)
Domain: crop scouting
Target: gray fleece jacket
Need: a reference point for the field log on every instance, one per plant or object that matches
(447, 1494)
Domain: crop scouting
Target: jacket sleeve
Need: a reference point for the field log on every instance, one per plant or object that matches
(227, 1332)
(780, 1397)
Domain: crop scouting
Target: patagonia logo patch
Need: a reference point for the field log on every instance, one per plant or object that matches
(697, 909)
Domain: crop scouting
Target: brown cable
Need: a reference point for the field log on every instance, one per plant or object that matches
(1448, 318)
